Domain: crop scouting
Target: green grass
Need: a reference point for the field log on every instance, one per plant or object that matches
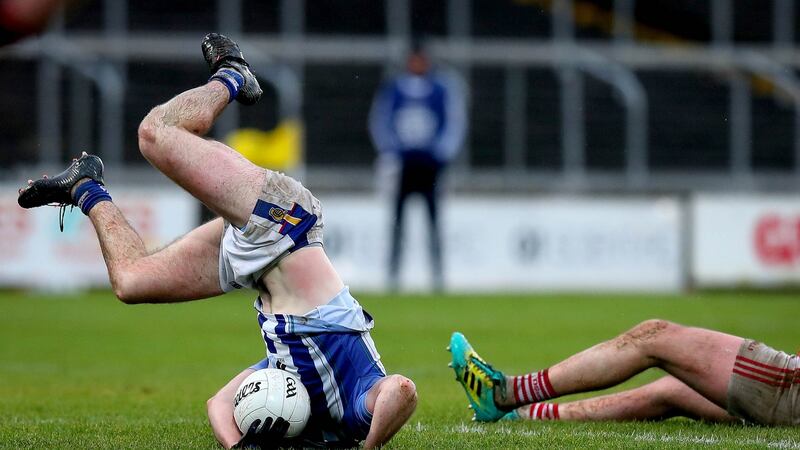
(88, 372)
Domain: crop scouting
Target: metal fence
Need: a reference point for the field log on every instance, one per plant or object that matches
(97, 61)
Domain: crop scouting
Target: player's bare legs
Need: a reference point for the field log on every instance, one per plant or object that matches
(664, 398)
(185, 270)
(221, 178)
(391, 400)
(702, 359)
(218, 176)
(212, 172)
(220, 411)
(170, 136)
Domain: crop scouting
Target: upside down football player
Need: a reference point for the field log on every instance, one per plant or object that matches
(269, 238)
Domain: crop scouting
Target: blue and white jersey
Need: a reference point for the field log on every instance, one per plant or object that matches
(420, 113)
(331, 351)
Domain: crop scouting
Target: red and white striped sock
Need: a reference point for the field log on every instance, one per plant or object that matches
(540, 411)
(532, 388)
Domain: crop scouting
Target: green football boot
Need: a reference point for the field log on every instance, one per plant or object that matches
(511, 415)
(478, 378)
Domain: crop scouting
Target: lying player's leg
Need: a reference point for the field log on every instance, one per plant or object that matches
(391, 401)
(664, 398)
(702, 359)
(170, 137)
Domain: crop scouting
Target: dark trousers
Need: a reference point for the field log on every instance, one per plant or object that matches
(419, 175)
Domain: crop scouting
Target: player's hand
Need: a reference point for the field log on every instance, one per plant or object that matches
(271, 435)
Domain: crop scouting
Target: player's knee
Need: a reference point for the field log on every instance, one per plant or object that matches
(662, 327)
(647, 333)
(667, 391)
(147, 133)
(151, 132)
(125, 289)
(404, 389)
(651, 329)
(124, 295)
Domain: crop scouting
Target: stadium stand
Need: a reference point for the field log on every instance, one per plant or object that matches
(688, 107)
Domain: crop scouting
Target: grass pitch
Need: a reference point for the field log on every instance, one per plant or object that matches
(85, 371)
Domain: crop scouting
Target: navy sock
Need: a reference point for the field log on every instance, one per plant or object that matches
(232, 80)
(89, 194)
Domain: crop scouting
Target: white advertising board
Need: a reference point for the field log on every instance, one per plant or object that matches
(34, 253)
(489, 243)
(514, 244)
(746, 240)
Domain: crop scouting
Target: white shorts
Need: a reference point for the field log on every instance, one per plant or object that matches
(765, 385)
(286, 217)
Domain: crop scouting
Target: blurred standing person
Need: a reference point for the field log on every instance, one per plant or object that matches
(418, 118)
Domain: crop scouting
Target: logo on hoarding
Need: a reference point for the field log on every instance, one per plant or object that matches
(529, 245)
(777, 240)
(594, 248)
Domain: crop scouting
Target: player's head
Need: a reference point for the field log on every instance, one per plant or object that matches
(417, 61)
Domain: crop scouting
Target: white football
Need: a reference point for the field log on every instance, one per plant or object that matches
(272, 393)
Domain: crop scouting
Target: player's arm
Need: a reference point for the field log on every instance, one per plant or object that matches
(185, 270)
(220, 416)
(451, 136)
(220, 411)
(381, 129)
